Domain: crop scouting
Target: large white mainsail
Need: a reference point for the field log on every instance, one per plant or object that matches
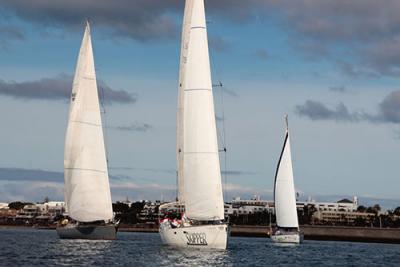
(201, 168)
(284, 192)
(182, 70)
(87, 189)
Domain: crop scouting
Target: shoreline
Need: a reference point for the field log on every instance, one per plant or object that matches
(311, 232)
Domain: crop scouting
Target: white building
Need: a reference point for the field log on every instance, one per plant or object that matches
(240, 206)
(247, 206)
(343, 205)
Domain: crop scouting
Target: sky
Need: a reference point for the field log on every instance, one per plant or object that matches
(332, 66)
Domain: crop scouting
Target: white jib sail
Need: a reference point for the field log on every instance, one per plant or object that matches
(87, 189)
(285, 199)
(179, 125)
(201, 170)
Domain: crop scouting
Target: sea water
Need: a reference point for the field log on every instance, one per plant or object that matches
(31, 247)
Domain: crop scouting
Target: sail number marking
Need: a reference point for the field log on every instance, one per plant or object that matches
(196, 239)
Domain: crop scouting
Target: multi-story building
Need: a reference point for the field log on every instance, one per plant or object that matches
(240, 206)
(338, 217)
(343, 205)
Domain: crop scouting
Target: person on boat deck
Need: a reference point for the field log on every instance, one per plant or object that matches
(176, 223)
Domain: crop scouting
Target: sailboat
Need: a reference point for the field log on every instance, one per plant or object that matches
(200, 198)
(287, 230)
(87, 190)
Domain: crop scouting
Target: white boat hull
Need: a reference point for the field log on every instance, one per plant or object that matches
(202, 236)
(290, 238)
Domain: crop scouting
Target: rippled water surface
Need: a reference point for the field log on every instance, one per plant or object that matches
(25, 247)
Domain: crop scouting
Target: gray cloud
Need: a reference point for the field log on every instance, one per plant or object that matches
(339, 28)
(384, 56)
(354, 71)
(37, 175)
(388, 111)
(155, 170)
(18, 175)
(59, 88)
(261, 54)
(8, 33)
(390, 108)
(237, 173)
(135, 127)
(141, 19)
(318, 111)
(321, 29)
(338, 89)
(219, 44)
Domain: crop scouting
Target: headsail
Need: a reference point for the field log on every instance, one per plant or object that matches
(284, 192)
(87, 189)
(201, 167)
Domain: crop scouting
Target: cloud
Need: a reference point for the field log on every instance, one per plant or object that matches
(390, 108)
(9, 33)
(315, 110)
(59, 88)
(155, 170)
(18, 175)
(37, 175)
(237, 173)
(354, 71)
(261, 54)
(245, 192)
(318, 28)
(135, 127)
(338, 89)
(365, 32)
(35, 185)
(388, 111)
(141, 19)
(31, 191)
(218, 44)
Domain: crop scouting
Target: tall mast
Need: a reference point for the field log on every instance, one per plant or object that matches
(201, 167)
(87, 189)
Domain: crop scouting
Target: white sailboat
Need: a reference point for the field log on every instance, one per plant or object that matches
(284, 196)
(87, 190)
(199, 175)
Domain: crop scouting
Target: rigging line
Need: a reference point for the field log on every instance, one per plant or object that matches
(224, 142)
(103, 113)
(222, 135)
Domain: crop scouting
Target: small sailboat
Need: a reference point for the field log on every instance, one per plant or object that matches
(200, 198)
(87, 190)
(287, 230)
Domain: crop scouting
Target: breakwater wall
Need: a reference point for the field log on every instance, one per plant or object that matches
(329, 233)
(354, 234)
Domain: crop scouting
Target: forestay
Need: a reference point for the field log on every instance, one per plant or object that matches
(201, 168)
(87, 190)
